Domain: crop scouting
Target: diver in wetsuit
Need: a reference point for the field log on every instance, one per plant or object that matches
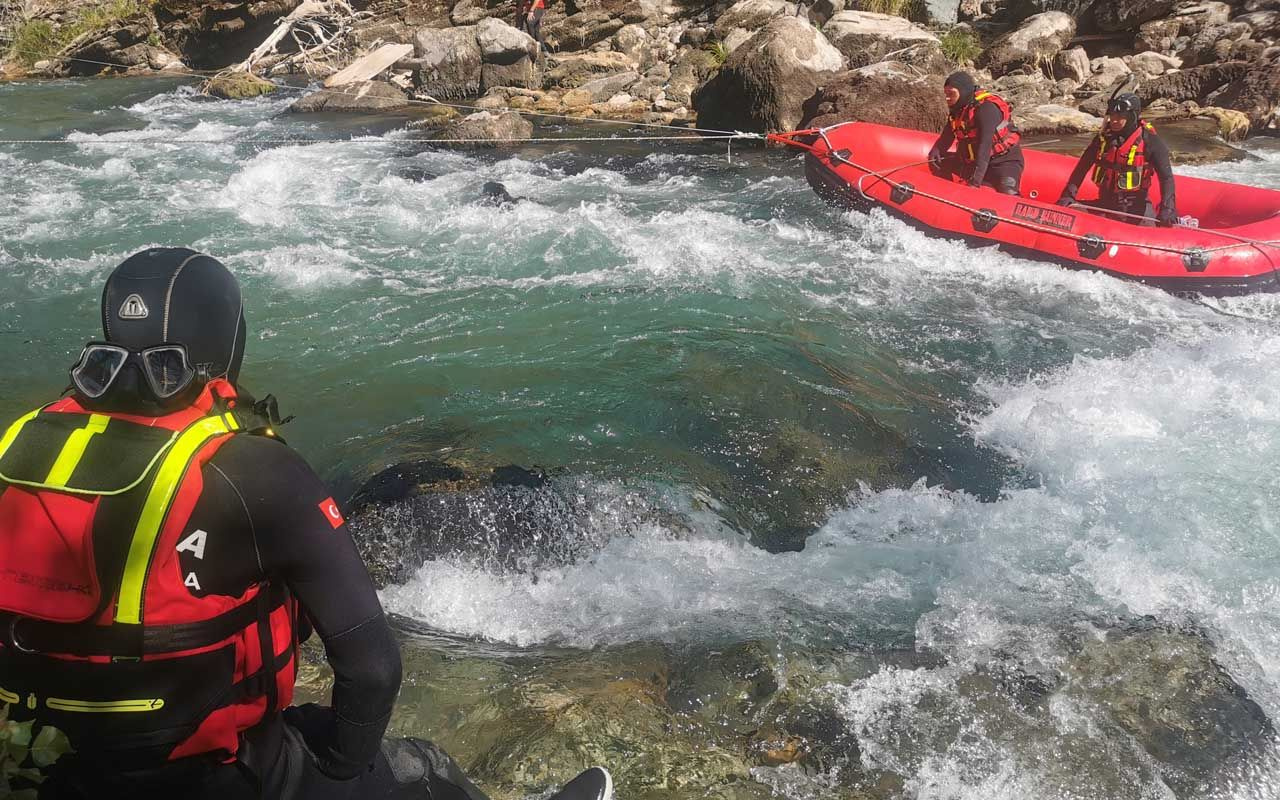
(986, 139)
(165, 553)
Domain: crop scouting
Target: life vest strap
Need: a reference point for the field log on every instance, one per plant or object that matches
(84, 640)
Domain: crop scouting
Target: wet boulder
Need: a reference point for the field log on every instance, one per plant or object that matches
(1032, 46)
(237, 86)
(864, 38)
(368, 97)
(765, 82)
(486, 128)
(1166, 689)
(449, 62)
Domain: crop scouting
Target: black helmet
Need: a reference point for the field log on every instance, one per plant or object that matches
(168, 295)
(1128, 104)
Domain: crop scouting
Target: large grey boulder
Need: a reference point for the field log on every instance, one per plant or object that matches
(864, 38)
(1105, 72)
(1021, 91)
(449, 61)
(945, 12)
(1150, 65)
(487, 127)
(751, 15)
(367, 97)
(501, 43)
(1032, 46)
(1051, 118)
(571, 70)
(1127, 15)
(600, 89)
(880, 94)
(1073, 65)
(765, 82)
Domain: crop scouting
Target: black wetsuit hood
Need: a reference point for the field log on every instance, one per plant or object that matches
(963, 83)
(172, 295)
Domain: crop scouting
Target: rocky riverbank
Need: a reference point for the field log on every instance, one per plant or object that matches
(753, 65)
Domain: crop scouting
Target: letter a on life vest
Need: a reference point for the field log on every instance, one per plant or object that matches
(194, 544)
(331, 512)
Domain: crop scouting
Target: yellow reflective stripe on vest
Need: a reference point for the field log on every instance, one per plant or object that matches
(9, 697)
(104, 706)
(12, 434)
(74, 449)
(165, 487)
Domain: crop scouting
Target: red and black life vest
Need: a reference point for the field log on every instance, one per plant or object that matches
(99, 635)
(1122, 170)
(965, 127)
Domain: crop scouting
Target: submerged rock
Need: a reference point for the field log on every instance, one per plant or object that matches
(366, 97)
(487, 129)
(1165, 689)
(237, 86)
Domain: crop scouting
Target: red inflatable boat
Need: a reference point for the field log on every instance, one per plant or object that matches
(1235, 249)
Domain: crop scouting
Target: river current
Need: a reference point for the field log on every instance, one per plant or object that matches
(979, 454)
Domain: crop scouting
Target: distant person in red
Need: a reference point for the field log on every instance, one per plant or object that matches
(533, 21)
(985, 137)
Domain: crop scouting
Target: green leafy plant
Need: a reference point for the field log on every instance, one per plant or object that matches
(24, 752)
(718, 51)
(960, 46)
(38, 39)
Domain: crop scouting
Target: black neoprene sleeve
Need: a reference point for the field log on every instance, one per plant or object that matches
(301, 542)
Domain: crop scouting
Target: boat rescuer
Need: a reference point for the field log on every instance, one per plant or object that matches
(1123, 158)
(164, 553)
(984, 134)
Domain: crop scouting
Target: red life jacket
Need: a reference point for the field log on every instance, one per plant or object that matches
(100, 635)
(1122, 170)
(965, 127)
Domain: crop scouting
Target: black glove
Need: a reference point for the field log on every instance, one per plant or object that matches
(935, 160)
(1167, 217)
(1066, 200)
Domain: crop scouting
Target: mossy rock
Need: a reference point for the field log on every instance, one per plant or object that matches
(237, 86)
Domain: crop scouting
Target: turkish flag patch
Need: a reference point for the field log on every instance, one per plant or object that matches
(331, 512)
